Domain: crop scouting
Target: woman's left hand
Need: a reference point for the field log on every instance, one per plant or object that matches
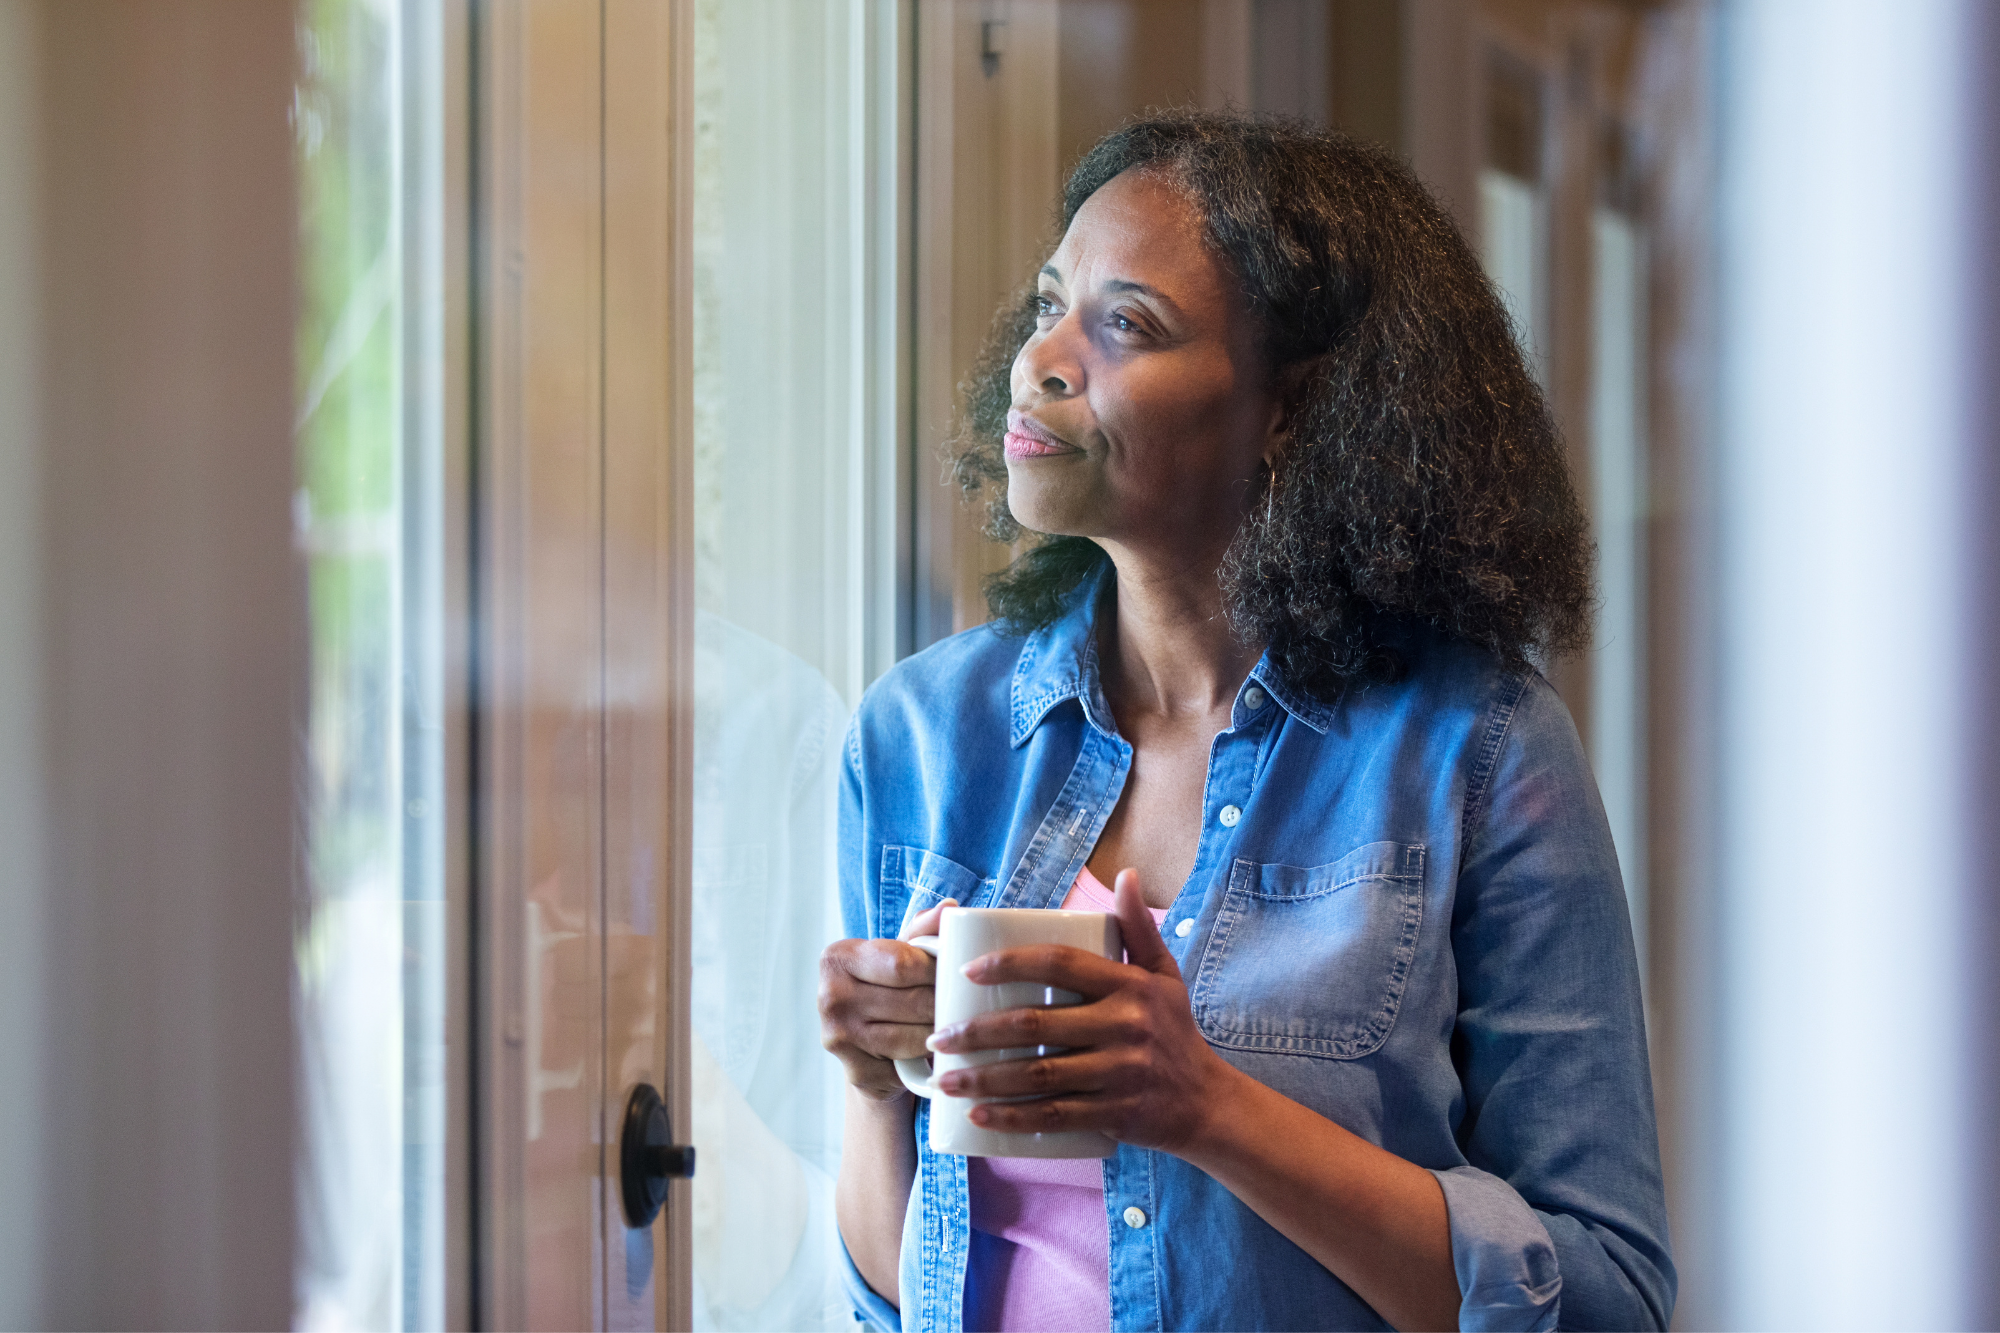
(1135, 1066)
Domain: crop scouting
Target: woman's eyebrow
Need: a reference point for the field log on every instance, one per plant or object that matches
(1121, 285)
(1127, 285)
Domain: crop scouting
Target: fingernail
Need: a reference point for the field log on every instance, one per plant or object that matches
(936, 1041)
(979, 1115)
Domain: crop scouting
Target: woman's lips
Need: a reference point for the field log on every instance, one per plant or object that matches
(1029, 438)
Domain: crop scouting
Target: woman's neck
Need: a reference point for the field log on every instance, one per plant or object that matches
(1167, 645)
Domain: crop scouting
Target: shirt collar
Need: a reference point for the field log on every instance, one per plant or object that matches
(1305, 707)
(1059, 662)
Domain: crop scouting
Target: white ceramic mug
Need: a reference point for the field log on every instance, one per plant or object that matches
(965, 934)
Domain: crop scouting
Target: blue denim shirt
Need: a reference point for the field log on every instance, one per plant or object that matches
(1407, 916)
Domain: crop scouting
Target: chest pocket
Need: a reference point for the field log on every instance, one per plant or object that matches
(1312, 961)
(925, 879)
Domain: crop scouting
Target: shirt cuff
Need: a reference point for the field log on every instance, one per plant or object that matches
(1506, 1264)
(870, 1310)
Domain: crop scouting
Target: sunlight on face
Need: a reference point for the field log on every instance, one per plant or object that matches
(1142, 405)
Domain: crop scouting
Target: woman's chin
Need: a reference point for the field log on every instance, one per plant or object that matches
(1049, 520)
(1041, 503)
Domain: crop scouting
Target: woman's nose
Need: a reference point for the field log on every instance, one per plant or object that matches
(1049, 362)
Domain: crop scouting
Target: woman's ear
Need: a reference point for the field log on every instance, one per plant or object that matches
(1285, 386)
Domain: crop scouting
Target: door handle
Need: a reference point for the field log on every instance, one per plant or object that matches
(648, 1157)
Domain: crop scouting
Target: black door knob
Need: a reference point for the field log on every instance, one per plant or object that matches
(648, 1157)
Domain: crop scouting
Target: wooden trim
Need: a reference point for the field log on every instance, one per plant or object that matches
(674, 1291)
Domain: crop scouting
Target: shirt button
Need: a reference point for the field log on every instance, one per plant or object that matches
(1253, 698)
(1135, 1218)
(1186, 925)
(1229, 814)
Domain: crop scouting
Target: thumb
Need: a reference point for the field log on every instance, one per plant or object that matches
(1143, 945)
(925, 922)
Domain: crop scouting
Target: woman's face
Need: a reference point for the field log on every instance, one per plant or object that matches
(1142, 406)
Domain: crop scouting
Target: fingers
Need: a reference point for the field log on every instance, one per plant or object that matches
(1086, 973)
(884, 963)
(849, 1005)
(858, 1036)
(892, 1041)
(1070, 1025)
(1046, 1076)
(876, 1004)
(914, 1005)
(1143, 945)
(1050, 1115)
(864, 1046)
(925, 922)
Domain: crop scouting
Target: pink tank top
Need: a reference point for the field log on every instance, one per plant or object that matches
(1041, 1249)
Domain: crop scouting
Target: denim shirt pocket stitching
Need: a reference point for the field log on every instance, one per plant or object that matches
(929, 879)
(1234, 1004)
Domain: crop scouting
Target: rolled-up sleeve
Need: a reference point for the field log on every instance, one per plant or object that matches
(1559, 1218)
(1506, 1264)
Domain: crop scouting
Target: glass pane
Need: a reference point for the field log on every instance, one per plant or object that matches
(790, 334)
(1513, 205)
(369, 946)
(1512, 227)
(1618, 471)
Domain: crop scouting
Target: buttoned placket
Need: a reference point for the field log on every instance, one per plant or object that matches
(1060, 847)
(1131, 1200)
(1049, 865)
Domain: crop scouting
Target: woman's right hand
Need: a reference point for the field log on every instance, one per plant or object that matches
(875, 1004)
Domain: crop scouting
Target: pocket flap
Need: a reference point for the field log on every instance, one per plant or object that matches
(1312, 960)
(929, 879)
(1376, 860)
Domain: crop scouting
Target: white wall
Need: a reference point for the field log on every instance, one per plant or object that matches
(151, 618)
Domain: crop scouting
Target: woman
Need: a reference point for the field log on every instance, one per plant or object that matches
(1304, 517)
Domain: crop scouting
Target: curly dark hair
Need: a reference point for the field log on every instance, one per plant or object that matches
(1424, 478)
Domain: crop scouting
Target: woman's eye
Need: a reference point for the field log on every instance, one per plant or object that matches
(1125, 323)
(1045, 307)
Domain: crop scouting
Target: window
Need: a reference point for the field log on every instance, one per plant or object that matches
(801, 492)
(370, 945)
(1513, 213)
(1618, 373)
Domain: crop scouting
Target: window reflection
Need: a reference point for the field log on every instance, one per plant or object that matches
(369, 945)
(794, 326)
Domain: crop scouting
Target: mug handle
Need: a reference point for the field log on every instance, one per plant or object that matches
(916, 1074)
